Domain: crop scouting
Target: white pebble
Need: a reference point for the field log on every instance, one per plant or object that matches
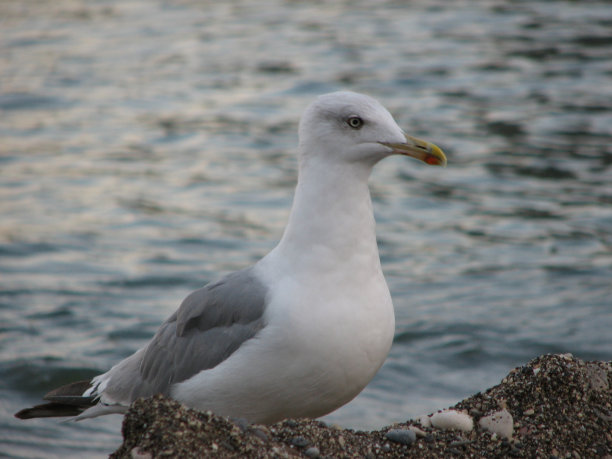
(417, 431)
(452, 419)
(500, 423)
(137, 453)
(424, 420)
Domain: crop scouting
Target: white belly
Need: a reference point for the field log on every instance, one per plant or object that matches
(320, 348)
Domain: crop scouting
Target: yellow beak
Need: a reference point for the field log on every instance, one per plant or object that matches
(424, 151)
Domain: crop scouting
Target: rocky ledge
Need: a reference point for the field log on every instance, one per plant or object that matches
(556, 406)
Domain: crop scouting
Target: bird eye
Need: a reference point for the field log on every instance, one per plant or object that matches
(355, 122)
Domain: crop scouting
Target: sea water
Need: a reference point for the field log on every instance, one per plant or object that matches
(147, 147)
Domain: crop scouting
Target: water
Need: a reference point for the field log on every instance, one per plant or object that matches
(148, 146)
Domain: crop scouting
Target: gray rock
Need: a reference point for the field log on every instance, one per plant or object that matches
(300, 442)
(402, 436)
(313, 452)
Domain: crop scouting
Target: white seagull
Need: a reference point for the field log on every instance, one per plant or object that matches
(302, 331)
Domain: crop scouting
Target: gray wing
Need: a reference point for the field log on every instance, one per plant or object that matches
(210, 325)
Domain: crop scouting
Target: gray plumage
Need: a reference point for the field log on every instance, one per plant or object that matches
(208, 327)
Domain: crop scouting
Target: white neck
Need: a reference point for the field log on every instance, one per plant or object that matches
(331, 219)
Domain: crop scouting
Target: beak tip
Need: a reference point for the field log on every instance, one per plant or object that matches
(424, 151)
(436, 157)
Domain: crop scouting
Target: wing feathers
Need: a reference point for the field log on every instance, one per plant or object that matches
(66, 400)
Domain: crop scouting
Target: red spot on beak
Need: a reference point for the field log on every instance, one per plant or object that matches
(432, 160)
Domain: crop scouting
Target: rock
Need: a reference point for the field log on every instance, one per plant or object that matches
(313, 452)
(137, 453)
(499, 423)
(259, 433)
(558, 405)
(597, 377)
(300, 442)
(402, 436)
(424, 420)
(418, 432)
(452, 419)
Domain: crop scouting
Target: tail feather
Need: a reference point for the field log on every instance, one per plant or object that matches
(66, 400)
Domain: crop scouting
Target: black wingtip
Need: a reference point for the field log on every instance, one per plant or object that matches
(64, 401)
(50, 410)
(73, 390)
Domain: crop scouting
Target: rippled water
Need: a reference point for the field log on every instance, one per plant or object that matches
(147, 146)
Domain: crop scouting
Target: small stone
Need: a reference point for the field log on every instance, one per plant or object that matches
(313, 452)
(300, 442)
(529, 412)
(386, 447)
(417, 431)
(424, 420)
(137, 453)
(597, 377)
(242, 423)
(452, 419)
(456, 443)
(402, 436)
(194, 423)
(500, 423)
(259, 433)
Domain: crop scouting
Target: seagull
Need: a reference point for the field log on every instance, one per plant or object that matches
(302, 331)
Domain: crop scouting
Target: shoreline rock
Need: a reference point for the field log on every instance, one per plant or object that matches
(559, 406)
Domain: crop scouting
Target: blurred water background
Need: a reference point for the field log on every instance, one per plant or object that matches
(148, 146)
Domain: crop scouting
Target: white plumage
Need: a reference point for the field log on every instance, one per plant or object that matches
(305, 329)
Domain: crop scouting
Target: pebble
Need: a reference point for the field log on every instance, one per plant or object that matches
(500, 423)
(402, 436)
(424, 420)
(313, 452)
(242, 423)
(137, 453)
(597, 377)
(300, 442)
(417, 431)
(259, 433)
(452, 419)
